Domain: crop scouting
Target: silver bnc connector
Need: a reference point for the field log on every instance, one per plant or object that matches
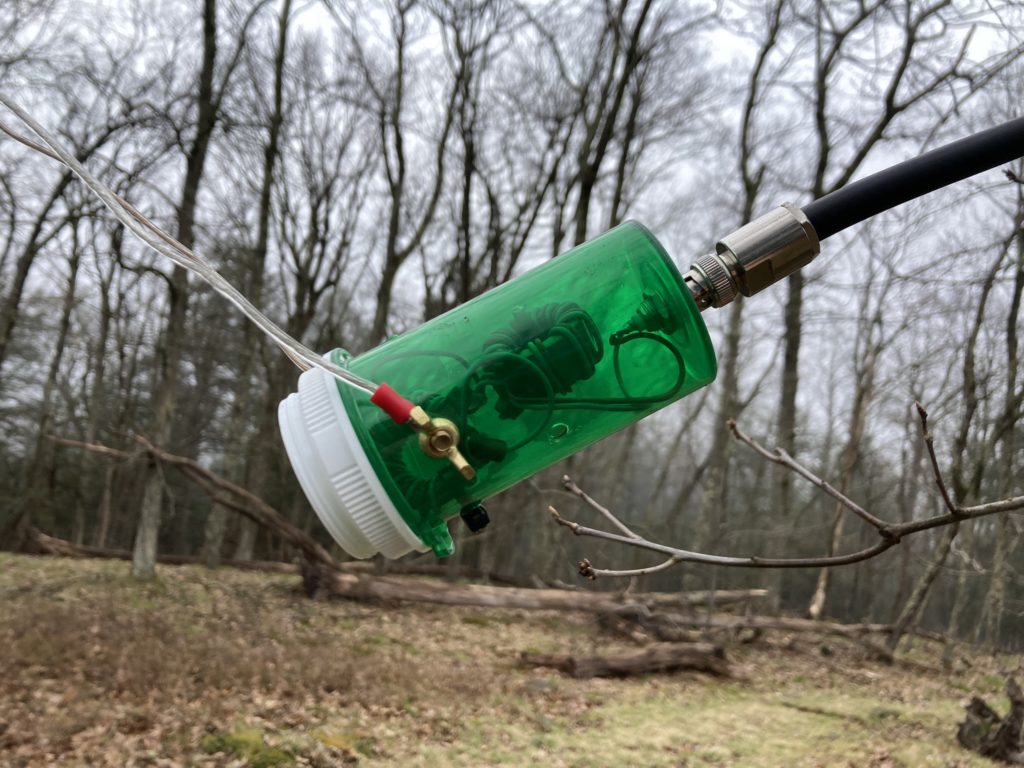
(753, 257)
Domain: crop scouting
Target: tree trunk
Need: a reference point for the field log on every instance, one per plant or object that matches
(36, 239)
(245, 547)
(996, 597)
(786, 425)
(349, 586)
(96, 390)
(909, 492)
(714, 499)
(103, 524)
(34, 497)
(959, 598)
(923, 586)
(173, 337)
(251, 337)
(848, 462)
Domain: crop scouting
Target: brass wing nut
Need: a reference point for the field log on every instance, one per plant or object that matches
(439, 439)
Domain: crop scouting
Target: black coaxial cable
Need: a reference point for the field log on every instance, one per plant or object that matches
(918, 176)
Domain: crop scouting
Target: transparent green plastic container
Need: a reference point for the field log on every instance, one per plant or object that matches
(532, 372)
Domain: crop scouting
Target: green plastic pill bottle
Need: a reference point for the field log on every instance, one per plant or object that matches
(529, 373)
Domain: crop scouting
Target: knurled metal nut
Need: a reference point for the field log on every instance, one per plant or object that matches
(722, 285)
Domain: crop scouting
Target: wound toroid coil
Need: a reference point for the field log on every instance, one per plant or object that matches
(546, 351)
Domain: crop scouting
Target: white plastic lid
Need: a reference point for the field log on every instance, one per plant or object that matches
(335, 474)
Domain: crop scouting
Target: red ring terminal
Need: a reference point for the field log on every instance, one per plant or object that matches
(392, 403)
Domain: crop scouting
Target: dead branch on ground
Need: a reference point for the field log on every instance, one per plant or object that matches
(351, 586)
(39, 543)
(668, 626)
(660, 657)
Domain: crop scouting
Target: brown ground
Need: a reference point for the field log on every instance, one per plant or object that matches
(236, 669)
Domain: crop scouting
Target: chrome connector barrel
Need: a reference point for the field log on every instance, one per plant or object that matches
(753, 257)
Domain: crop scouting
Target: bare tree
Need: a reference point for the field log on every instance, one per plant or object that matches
(967, 465)
(610, 74)
(210, 94)
(388, 99)
(41, 460)
(255, 274)
(872, 339)
(1007, 535)
(320, 194)
(508, 155)
(932, 32)
(45, 228)
(730, 401)
(25, 37)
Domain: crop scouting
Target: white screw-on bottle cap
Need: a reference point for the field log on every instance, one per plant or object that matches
(335, 474)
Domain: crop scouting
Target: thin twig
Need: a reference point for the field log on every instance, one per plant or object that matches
(102, 450)
(929, 442)
(589, 571)
(688, 556)
(575, 490)
(586, 569)
(782, 458)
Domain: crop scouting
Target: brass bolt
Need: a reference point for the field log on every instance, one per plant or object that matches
(442, 442)
(438, 437)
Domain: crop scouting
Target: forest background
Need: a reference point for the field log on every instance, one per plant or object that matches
(357, 168)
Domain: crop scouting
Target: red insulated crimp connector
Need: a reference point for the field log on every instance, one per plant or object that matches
(392, 403)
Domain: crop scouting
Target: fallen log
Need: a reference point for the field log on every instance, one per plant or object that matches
(660, 657)
(352, 586)
(666, 626)
(428, 569)
(39, 543)
(356, 581)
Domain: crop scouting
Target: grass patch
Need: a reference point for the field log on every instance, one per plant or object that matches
(249, 745)
(235, 668)
(362, 743)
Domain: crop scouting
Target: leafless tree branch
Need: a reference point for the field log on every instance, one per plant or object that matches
(890, 533)
(221, 491)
